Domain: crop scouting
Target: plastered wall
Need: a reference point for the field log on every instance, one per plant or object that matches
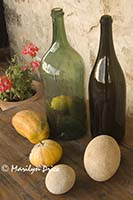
(30, 21)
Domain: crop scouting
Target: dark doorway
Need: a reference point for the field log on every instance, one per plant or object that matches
(3, 33)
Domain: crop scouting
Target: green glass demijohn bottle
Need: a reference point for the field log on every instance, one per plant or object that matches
(62, 72)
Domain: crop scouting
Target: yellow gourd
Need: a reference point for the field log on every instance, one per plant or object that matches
(30, 124)
(45, 153)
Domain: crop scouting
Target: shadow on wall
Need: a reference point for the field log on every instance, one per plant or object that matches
(129, 132)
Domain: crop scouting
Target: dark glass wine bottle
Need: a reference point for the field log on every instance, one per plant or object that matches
(62, 71)
(107, 88)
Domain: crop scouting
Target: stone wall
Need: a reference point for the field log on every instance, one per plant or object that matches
(30, 21)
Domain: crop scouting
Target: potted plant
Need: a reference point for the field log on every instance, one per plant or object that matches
(17, 85)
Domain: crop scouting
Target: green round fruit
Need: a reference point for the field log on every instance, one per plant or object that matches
(61, 103)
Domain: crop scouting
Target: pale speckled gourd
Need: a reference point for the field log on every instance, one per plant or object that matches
(102, 158)
(60, 179)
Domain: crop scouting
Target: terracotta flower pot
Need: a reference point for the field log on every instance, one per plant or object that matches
(37, 86)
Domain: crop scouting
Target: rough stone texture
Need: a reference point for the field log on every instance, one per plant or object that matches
(30, 21)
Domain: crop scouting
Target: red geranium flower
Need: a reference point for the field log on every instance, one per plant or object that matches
(30, 49)
(34, 65)
(24, 68)
(5, 83)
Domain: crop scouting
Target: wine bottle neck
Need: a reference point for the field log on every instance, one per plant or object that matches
(106, 47)
(59, 34)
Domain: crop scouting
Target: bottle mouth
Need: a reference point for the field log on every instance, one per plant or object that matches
(57, 12)
(106, 19)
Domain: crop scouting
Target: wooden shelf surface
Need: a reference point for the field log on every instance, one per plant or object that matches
(14, 150)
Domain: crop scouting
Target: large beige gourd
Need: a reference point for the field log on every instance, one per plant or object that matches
(102, 158)
(60, 179)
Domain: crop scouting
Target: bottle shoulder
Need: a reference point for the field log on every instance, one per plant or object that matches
(107, 70)
(57, 55)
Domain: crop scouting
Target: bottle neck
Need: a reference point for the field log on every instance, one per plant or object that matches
(59, 34)
(106, 47)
